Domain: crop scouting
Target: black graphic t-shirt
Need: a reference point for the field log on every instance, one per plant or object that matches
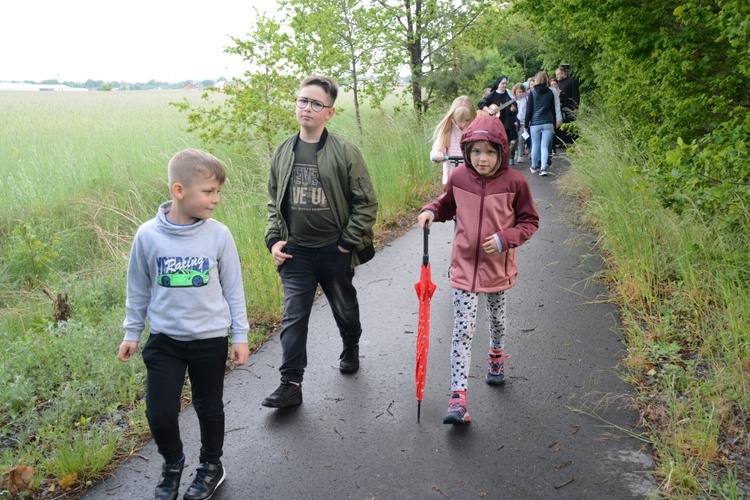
(308, 214)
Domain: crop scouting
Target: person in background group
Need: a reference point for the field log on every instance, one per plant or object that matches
(556, 141)
(541, 121)
(495, 212)
(512, 132)
(570, 99)
(185, 279)
(570, 96)
(447, 135)
(498, 96)
(321, 211)
(529, 87)
(519, 91)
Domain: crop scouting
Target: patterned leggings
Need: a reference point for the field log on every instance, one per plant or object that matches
(465, 305)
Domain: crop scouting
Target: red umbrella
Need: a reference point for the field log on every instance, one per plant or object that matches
(425, 289)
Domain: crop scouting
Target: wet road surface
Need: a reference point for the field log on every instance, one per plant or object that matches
(357, 436)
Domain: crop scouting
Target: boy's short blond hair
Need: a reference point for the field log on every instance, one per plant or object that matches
(190, 164)
(328, 85)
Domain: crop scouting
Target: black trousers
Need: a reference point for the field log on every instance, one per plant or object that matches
(166, 361)
(300, 275)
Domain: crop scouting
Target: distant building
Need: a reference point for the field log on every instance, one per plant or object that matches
(192, 86)
(224, 83)
(33, 87)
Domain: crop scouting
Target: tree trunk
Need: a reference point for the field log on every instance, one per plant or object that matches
(355, 90)
(414, 46)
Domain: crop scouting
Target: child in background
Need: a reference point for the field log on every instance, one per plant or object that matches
(495, 213)
(519, 91)
(556, 140)
(447, 135)
(184, 276)
(529, 87)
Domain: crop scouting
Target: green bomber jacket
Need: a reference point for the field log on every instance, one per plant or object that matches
(347, 186)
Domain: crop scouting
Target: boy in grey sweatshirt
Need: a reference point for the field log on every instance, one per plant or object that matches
(184, 276)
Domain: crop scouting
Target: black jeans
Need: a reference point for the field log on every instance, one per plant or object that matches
(300, 275)
(166, 361)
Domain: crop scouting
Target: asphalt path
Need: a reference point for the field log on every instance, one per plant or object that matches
(559, 428)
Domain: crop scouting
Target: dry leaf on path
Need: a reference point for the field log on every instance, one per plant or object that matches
(18, 479)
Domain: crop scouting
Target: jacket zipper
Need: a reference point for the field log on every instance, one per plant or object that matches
(331, 203)
(479, 238)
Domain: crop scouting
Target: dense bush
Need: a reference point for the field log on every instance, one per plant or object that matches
(677, 72)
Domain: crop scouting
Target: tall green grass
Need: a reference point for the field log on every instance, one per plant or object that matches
(79, 173)
(683, 289)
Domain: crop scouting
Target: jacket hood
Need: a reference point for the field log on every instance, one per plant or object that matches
(490, 129)
(541, 88)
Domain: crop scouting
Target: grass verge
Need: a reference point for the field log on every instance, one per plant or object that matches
(683, 292)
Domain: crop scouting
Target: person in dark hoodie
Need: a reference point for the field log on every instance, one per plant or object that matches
(541, 122)
(495, 213)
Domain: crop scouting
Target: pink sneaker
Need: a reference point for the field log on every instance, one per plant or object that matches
(458, 409)
(495, 367)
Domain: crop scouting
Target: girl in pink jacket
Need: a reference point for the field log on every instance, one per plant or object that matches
(447, 135)
(495, 213)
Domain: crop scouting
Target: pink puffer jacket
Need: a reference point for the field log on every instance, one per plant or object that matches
(500, 203)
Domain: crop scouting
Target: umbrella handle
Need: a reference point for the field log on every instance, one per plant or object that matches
(426, 256)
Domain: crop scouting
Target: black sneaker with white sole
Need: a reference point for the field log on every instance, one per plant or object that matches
(208, 477)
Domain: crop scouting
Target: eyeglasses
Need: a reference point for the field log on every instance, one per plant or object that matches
(316, 106)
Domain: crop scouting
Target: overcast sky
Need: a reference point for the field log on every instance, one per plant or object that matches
(123, 40)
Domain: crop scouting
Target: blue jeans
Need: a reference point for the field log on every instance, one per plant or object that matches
(300, 275)
(166, 361)
(541, 139)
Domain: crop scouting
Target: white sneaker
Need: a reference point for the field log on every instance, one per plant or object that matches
(533, 169)
(519, 159)
(543, 173)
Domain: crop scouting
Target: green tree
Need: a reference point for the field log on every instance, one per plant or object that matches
(260, 108)
(346, 39)
(499, 42)
(93, 84)
(426, 30)
(676, 71)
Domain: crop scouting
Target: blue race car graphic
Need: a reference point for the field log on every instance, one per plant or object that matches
(183, 277)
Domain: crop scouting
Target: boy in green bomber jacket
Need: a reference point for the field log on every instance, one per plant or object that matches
(321, 211)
